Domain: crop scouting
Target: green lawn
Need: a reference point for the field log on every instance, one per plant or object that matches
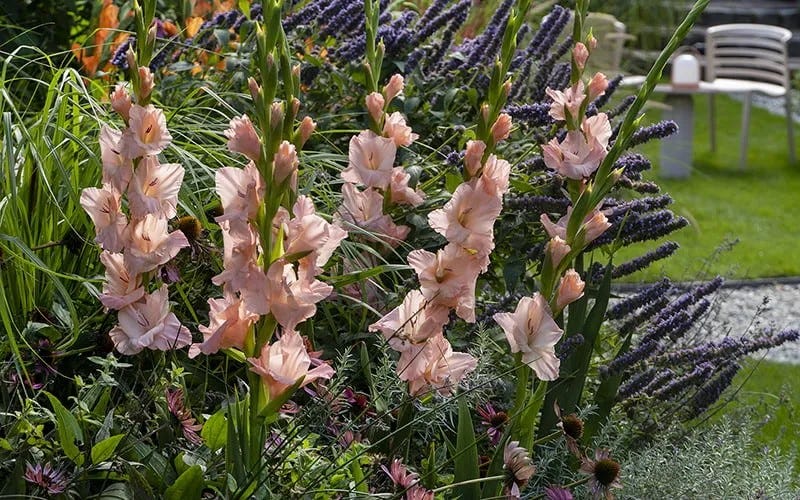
(758, 206)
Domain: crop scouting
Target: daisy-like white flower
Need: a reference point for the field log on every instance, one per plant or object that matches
(603, 472)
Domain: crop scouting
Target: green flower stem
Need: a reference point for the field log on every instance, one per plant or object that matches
(547, 438)
(470, 481)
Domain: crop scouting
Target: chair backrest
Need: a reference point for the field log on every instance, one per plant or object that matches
(752, 52)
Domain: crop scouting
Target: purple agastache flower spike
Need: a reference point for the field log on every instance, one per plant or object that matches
(661, 252)
(537, 203)
(622, 107)
(635, 384)
(711, 392)
(630, 359)
(642, 316)
(697, 376)
(648, 295)
(568, 346)
(633, 164)
(660, 130)
(119, 58)
(534, 115)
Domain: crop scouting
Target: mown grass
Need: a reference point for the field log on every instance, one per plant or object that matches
(756, 206)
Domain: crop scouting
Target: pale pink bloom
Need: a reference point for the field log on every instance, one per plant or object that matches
(255, 88)
(501, 128)
(473, 158)
(371, 159)
(121, 101)
(517, 461)
(567, 104)
(145, 82)
(418, 492)
(150, 244)
(532, 331)
(242, 137)
(229, 325)
(285, 162)
(570, 289)
(149, 324)
(253, 287)
(365, 210)
(597, 86)
(154, 188)
(307, 127)
(448, 278)
(117, 171)
(557, 249)
(581, 54)
(309, 233)
(557, 230)
(593, 225)
(400, 475)
(581, 151)
(147, 133)
(121, 287)
(468, 219)
(396, 129)
(444, 370)
(412, 323)
(402, 194)
(241, 271)
(103, 206)
(494, 178)
(394, 87)
(375, 103)
(241, 191)
(291, 296)
(284, 363)
(592, 41)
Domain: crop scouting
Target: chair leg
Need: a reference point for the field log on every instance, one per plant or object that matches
(790, 127)
(745, 130)
(712, 120)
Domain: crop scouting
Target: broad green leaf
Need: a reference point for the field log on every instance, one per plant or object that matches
(466, 457)
(215, 431)
(68, 430)
(188, 486)
(116, 491)
(103, 450)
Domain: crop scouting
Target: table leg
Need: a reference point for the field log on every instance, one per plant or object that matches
(676, 151)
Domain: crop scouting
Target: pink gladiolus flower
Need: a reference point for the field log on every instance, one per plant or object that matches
(145, 82)
(285, 362)
(239, 258)
(292, 297)
(308, 232)
(557, 230)
(597, 86)
(412, 323)
(468, 219)
(103, 206)
(448, 277)
(117, 171)
(593, 226)
(286, 163)
(581, 54)
(229, 326)
(121, 287)
(556, 248)
(151, 245)
(396, 129)
(149, 324)
(375, 103)
(581, 152)
(154, 188)
(371, 160)
(242, 138)
(531, 330)
(394, 87)
(494, 178)
(501, 128)
(365, 210)
(241, 191)
(473, 158)
(121, 101)
(401, 193)
(444, 370)
(570, 289)
(567, 104)
(147, 133)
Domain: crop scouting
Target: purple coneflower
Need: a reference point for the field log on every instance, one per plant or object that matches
(400, 475)
(494, 422)
(603, 472)
(572, 427)
(52, 480)
(519, 467)
(188, 423)
(557, 493)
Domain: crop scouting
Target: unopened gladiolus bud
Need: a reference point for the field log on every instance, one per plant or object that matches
(151, 35)
(145, 82)
(592, 41)
(485, 112)
(307, 127)
(121, 101)
(394, 87)
(375, 104)
(295, 105)
(255, 88)
(557, 249)
(507, 87)
(285, 161)
(474, 156)
(581, 54)
(276, 115)
(296, 71)
(131, 57)
(570, 289)
(597, 86)
(501, 128)
(595, 225)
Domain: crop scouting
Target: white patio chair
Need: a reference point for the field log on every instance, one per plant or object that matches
(748, 58)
